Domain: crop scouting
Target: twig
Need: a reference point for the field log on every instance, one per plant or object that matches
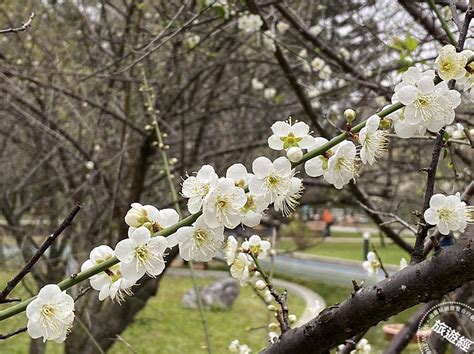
(22, 28)
(41, 250)
(418, 254)
(281, 315)
(380, 261)
(14, 333)
(443, 22)
(391, 215)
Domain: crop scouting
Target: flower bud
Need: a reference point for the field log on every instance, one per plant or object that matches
(385, 124)
(90, 165)
(294, 154)
(349, 115)
(273, 326)
(260, 284)
(292, 318)
(271, 308)
(148, 127)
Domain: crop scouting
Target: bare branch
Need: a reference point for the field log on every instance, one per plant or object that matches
(22, 28)
(41, 250)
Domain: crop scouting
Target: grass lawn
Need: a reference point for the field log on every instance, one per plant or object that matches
(164, 327)
(390, 254)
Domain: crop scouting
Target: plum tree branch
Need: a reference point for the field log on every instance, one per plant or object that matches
(21, 28)
(425, 281)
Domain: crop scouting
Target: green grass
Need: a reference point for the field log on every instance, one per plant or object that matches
(390, 254)
(164, 327)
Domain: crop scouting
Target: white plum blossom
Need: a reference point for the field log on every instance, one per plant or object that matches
(318, 166)
(282, 27)
(403, 128)
(317, 63)
(109, 283)
(289, 200)
(273, 337)
(249, 23)
(320, 66)
(238, 173)
(150, 217)
(372, 264)
(51, 314)
(253, 210)
(315, 30)
(256, 247)
(272, 180)
(223, 204)
(196, 188)
(467, 81)
(374, 141)
(256, 84)
(260, 284)
(363, 347)
(230, 249)
(192, 40)
(236, 347)
(198, 242)
(287, 135)
(342, 166)
(448, 213)
(240, 268)
(449, 64)
(456, 131)
(268, 40)
(427, 105)
(269, 93)
(141, 254)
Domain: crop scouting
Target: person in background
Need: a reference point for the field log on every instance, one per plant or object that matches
(328, 220)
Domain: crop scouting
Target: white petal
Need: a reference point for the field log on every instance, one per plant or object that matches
(140, 236)
(275, 143)
(281, 128)
(130, 271)
(123, 250)
(48, 291)
(262, 166)
(237, 172)
(282, 165)
(407, 94)
(314, 167)
(431, 217)
(438, 201)
(35, 330)
(300, 129)
(167, 217)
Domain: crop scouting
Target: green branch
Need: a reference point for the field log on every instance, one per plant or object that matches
(79, 277)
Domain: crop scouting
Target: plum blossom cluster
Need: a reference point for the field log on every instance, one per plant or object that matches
(339, 164)
(236, 347)
(449, 213)
(241, 260)
(242, 197)
(363, 347)
(429, 104)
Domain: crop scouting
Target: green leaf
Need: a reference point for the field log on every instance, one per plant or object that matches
(445, 136)
(445, 153)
